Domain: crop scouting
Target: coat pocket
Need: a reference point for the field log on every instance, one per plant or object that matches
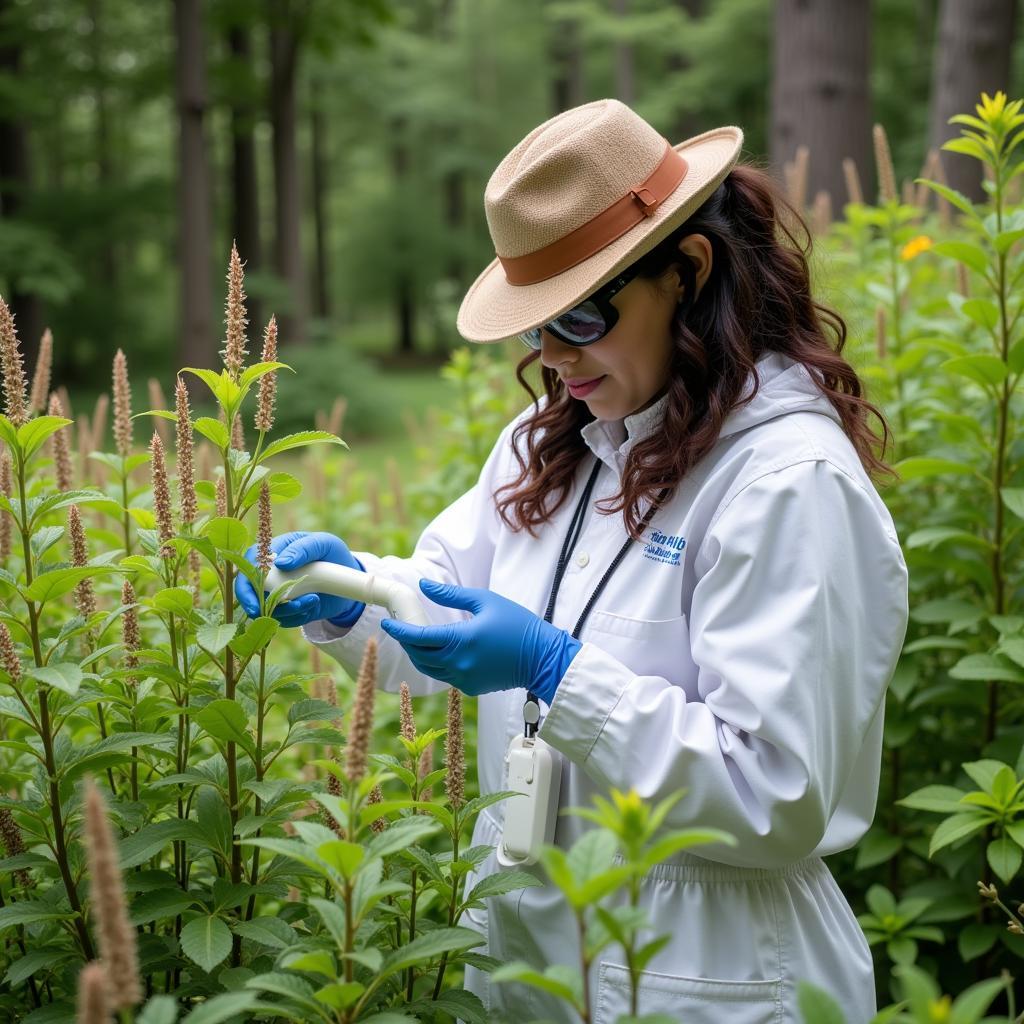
(693, 1000)
(648, 647)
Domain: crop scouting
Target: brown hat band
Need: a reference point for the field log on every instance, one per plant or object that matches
(599, 231)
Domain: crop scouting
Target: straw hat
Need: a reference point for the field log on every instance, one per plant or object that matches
(583, 196)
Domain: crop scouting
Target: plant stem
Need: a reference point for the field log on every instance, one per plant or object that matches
(260, 711)
(47, 737)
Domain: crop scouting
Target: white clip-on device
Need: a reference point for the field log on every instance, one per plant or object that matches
(535, 770)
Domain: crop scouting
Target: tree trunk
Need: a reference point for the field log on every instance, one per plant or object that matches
(196, 346)
(687, 123)
(318, 131)
(16, 181)
(972, 55)
(245, 196)
(405, 306)
(104, 158)
(284, 51)
(820, 95)
(567, 61)
(624, 79)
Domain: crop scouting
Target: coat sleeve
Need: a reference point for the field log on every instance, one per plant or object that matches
(456, 547)
(796, 624)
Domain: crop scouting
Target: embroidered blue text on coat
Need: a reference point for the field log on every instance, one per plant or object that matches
(662, 548)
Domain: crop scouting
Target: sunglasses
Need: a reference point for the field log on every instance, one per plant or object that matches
(588, 322)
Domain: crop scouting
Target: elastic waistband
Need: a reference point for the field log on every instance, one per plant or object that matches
(688, 867)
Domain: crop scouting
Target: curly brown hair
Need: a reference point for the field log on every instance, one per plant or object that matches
(756, 299)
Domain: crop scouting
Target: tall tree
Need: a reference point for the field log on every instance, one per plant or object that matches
(244, 190)
(820, 94)
(320, 181)
(196, 346)
(625, 88)
(567, 84)
(287, 25)
(972, 55)
(15, 173)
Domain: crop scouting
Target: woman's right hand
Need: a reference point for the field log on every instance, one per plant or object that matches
(293, 551)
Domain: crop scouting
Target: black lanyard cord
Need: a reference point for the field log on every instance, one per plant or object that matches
(531, 709)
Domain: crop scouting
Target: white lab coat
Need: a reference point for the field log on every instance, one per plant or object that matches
(742, 652)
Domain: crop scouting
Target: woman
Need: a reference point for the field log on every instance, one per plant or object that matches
(732, 631)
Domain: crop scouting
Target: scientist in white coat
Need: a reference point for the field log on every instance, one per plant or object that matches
(678, 551)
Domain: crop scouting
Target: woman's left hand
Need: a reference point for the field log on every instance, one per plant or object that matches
(503, 647)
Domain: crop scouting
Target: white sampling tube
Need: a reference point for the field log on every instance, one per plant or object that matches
(401, 601)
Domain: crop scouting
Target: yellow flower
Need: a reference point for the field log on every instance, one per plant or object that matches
(915, 246)
(939, 1010)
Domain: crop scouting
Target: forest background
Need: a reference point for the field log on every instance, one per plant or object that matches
(344, 147)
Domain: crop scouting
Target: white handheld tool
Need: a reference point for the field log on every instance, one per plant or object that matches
(329, 578)
(535, 770)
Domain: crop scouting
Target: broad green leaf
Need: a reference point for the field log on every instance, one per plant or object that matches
(216, 637)
(299, 440)
(983, 312)
(65, 676)
(338, 995)
(972, 1003)
(225, 1007)
(985, 667)
(942, 799)
(341, 855)
(227, 533)
(253, 373)
(267, 931)
(206, 941)
(42, 959)
(29, 912)
(213, 430)
(31, 435)
(522, 972)
(502, 882)
(976, 939)
(1013, 499)
(319, 961)
(224, 720)
(984, 772)
(817, 1005)
(957, 827)
(958, 199)
(425, 948)
(257, 635)
(918, 467)
(48, 586)
(989, 371)
(1004, 857)
(967, 253)
(175, 600)
(153, 839)
(946, 609)
(159, 903)
(282, 486)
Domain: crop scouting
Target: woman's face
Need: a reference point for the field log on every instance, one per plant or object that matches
(633, 358)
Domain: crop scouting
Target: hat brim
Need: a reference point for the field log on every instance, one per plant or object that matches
(494, 310)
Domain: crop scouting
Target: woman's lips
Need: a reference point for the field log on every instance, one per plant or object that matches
(583, 390)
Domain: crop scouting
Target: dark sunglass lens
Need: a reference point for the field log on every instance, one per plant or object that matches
(531, 338)
(584, 323)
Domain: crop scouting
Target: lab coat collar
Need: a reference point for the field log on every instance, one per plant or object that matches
(786, 385)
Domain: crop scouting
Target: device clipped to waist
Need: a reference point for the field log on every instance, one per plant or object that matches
(535, 771)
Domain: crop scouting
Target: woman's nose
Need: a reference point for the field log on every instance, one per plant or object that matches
(554, 352)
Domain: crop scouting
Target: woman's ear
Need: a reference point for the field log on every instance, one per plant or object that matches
(697, 248)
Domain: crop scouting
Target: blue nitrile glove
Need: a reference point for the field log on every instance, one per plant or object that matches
(503, 647)
(293, 551)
